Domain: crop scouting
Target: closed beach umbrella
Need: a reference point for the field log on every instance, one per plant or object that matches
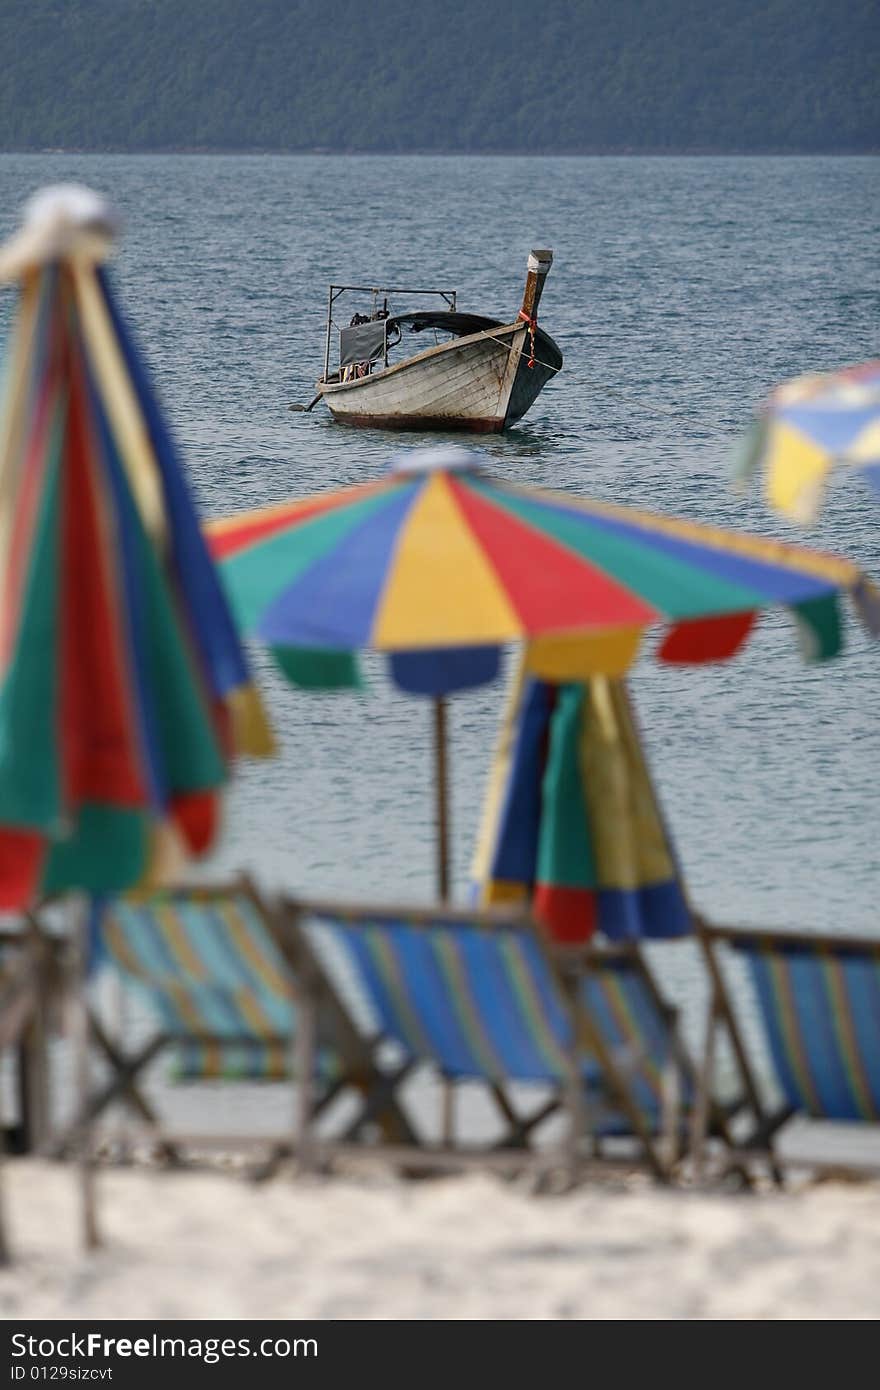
(123, 685)
(809, 425)
(572, 825)
(439, 565)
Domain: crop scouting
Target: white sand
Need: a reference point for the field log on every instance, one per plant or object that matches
(215, 1246)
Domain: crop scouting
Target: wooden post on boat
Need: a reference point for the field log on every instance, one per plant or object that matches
(523, 342)
(538, 270)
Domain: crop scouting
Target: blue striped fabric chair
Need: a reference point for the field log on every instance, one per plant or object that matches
(481, 998)
(214, 975)
(216, 970)
(632, 1019)
(818, 1005)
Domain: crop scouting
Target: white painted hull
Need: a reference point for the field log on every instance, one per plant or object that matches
(466, 384)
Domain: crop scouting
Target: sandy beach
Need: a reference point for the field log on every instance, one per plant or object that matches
(206, 1245)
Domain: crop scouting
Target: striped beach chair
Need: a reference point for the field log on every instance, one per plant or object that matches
(214, 975)
(481, 998)
(818, 1006)
(221, 980)
(633, 1020)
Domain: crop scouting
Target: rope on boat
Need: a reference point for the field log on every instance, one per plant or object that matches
(509, 348)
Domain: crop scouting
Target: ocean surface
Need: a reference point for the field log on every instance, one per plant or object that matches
(682, 290)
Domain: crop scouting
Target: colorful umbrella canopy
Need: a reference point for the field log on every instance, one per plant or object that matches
(124, 689)
(439, 565)
(572, 823)
(806, 427)
(438, 558)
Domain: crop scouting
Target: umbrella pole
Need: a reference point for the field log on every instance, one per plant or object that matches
(79, 935)
(442, 801)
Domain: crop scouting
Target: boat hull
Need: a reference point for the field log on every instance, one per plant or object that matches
(468, 425)
(480, 383)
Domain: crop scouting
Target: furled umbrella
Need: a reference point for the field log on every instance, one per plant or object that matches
(809, 425)
(439, 565)
(572, 825)
(124, 690)
(123, 684)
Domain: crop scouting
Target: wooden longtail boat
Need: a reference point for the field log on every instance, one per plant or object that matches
(484, 376)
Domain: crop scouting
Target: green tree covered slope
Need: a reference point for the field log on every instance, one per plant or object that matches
(478, 75)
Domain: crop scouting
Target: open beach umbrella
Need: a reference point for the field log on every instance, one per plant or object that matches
(439, 565)
(124, 689)
(809, 425)
(571, 824)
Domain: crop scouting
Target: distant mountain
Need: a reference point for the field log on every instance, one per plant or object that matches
(463, 75)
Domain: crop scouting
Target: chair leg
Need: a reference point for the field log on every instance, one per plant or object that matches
(447, 1120)
(129, 1094)
(304, 1063)
(33, 1081)
(377, 1099)
(670, 1109)
(85, 1167)
(619, 1088)
(115, 1089)
(520, 1127)
(324, 1101)
(703, 1097)
(761, 1140)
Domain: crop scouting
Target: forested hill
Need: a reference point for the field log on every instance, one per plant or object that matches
(472, 75)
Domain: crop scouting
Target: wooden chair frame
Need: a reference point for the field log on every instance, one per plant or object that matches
(677, 1128)
(758, 1145)
(379, 1105)
(26, 987)
(566, 966)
